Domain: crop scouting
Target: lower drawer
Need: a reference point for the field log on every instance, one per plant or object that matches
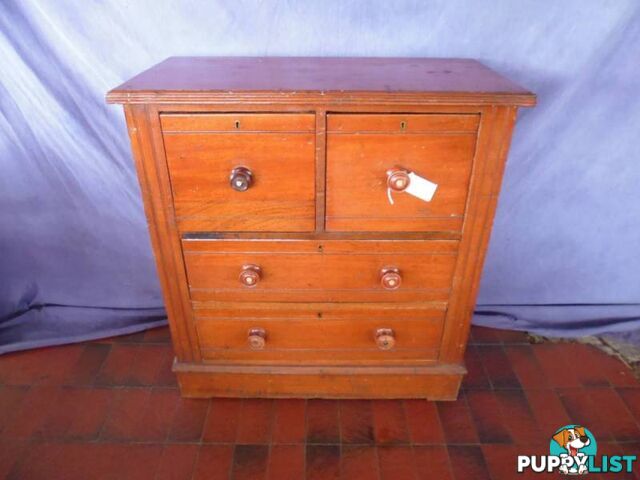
(319, 271)
(320, 335)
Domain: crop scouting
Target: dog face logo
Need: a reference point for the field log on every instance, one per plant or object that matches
(573, 444)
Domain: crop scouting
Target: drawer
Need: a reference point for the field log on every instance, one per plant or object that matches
(322, 271)
(362, 148)
(269, 159)
(340, 334)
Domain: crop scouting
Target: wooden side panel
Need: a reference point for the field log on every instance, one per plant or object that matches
(493, 145)
(146, 142)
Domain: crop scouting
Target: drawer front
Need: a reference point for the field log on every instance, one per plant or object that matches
(276, 153)
(362, 148)
(322, 271)
(338, 336)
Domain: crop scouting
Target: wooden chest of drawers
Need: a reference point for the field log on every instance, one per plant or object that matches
(319, 224)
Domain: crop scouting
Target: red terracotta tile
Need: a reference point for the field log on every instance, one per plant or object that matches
(23, 368)
(177, 462)
(10, 453)
(286, 462)
(630, 396)
(524, 363)
(11, 399)
(31, 413)
(390, 422)
(141, 415)
(221, 425)
(548, 410)
(619, 421)
(322, 462)
(88, 365)
(476, 377)
(432, 462)
(468, 462)
(396, 463)
(289, 421)
(551, 357)
(359, 462)
(43, 366)
(322, 422)
(501, 460)
(632, 448)
(456, 421)
(146, 365)
(135, 337)
(586, 362)
(519, 418)
(489, 422)
(584, 411)
(77, 414)
(116, 367)
(188, 420)
(486, 335)
(255, 422)
(70, 461)
(616, 372)
(166, 377)
(497, 367)
(423, 422)
(214, 462)
(356, 422)
(157, 335)
(250, 462)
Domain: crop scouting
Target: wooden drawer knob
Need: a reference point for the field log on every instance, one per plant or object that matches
(257, 338)
(390, 278)
(398, 179)
(241, 179)
(250, 275)
(385, 338)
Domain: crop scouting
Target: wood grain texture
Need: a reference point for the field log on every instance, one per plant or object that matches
(144, 132)
(330, 271)
(493, 146)
(319, 135)
(319, 80)
(322, 341)
(357, 163)
(439, 382)
(282, 196)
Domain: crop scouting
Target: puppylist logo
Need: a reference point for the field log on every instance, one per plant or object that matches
(573, 451)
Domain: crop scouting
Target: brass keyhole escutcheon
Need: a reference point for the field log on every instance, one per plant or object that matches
(403, 125)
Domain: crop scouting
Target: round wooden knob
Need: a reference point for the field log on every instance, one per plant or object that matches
(240, 179)
(398, 179)
(390, 278)
(385, 338)
(250, 275)
(257, 338)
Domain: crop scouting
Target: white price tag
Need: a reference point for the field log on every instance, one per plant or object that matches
(421, 187)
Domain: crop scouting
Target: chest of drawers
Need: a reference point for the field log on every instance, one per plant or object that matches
(320, 224)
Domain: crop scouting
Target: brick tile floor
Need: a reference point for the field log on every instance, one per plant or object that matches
(110, 409)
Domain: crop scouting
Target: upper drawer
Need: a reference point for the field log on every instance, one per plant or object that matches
(242, 172)
(363, 148)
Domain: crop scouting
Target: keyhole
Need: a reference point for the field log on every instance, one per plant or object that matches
(237, 123)
(403, 125)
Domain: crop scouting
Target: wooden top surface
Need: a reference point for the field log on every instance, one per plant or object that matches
(307, 79)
